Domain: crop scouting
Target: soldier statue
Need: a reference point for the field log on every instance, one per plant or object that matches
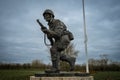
(59, 38)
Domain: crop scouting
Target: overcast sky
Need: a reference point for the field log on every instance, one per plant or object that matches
(21, 40)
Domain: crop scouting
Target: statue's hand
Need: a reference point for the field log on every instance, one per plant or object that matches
(45, 30)
(49, 36)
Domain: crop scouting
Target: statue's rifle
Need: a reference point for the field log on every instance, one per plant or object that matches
(41, 25)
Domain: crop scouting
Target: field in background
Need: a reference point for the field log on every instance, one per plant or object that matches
(16, 74)
(109, 75)
(22, 74)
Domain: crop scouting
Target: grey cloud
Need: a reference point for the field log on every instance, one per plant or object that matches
(19, 32)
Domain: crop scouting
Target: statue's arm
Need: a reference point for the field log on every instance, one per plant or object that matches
(58, 30)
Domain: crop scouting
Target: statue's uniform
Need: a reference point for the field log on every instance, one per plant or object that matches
(60, 43)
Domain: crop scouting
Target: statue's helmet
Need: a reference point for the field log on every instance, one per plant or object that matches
(48, 11)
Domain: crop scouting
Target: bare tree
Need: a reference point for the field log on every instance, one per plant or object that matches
(70, 51)
(104, 59)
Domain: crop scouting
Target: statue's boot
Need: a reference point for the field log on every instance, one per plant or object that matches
(55, 67)
(70, 60)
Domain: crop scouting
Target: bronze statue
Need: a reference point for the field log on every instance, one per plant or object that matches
(59, 38)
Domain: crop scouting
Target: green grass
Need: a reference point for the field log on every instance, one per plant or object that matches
(108, 75)
(16, 74)
(25, 75)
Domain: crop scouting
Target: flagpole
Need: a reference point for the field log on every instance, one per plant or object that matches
(86, 39)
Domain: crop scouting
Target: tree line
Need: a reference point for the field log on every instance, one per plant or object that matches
(102, 64)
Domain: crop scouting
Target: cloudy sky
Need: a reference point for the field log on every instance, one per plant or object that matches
(21, 40)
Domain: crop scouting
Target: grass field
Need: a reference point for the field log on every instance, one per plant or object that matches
(16, 74)
(25, 75)
(110, 75)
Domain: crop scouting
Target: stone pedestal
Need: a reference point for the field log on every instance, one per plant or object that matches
(62, 76)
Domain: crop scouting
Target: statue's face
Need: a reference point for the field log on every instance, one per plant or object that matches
(47, 17)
